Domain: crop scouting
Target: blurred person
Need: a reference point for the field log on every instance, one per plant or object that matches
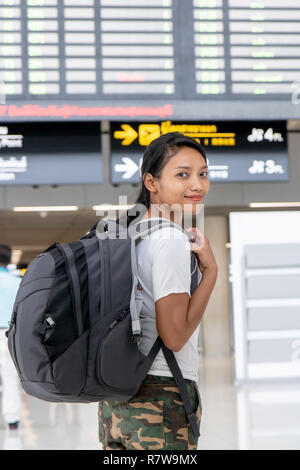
(11, 394)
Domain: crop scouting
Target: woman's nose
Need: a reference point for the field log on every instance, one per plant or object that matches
(196, 184)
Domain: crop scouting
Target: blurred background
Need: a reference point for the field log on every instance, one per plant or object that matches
(85, 86)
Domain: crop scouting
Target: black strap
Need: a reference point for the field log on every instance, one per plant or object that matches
(155, 348)
(172, 363)
(46, 330)
(179, 380)
(75, 284)
(93, 263)
(194, 272)
(54, 245)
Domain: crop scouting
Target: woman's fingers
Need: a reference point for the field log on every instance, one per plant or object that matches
(196, 236)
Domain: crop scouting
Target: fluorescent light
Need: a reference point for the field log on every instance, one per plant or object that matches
(274, 204)
(112, 207)
(45, 209)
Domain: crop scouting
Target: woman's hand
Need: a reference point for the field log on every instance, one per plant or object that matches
(201, 247)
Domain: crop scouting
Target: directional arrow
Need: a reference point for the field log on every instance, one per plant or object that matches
(129, 167)
(147, 133)
(128, 134)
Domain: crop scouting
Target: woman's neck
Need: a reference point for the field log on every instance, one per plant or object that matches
(162, 213)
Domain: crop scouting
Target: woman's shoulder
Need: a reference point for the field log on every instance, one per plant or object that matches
(170, 240)
(170, 233)
(174, 232)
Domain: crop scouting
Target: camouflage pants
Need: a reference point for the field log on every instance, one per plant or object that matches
(154, 419)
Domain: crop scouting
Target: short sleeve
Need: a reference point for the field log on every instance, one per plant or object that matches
(171, 263)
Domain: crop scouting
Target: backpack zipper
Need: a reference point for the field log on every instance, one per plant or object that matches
(14, 349)
(123, 314)
(12, 331)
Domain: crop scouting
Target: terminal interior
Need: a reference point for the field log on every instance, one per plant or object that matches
(85, 86)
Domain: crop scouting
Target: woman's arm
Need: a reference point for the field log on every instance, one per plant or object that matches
(177, 315)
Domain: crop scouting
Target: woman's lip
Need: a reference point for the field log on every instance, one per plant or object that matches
(198, 198)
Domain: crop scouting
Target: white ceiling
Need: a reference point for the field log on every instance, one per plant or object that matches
(29, 232)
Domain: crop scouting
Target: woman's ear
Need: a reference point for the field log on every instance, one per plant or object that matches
(150, 183)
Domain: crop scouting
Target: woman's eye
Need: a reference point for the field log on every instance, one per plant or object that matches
(205, 173)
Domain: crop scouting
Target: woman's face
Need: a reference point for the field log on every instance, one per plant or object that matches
(176, 184)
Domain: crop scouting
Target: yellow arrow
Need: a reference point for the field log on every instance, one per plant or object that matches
(147, 133)
(128, 134)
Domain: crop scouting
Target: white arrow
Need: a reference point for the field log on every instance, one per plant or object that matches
(129, 166)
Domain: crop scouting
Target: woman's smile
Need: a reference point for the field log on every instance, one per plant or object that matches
(194, 198)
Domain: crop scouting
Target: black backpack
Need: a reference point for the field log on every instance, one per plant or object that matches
(75, 329)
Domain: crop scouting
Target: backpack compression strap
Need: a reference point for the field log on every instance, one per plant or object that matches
(72, 273)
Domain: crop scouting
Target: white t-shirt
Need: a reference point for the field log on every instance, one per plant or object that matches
(164, 267)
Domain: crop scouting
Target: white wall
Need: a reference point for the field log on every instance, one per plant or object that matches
(216, 320)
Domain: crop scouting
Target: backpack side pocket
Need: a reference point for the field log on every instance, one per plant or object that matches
(120, 365)
(69, 370)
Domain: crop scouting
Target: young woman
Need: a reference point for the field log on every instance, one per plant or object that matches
(174, 174)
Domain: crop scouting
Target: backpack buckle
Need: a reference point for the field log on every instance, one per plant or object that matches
(137, 339)
(46, 330)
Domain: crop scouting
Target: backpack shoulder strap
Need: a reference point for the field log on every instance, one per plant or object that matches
(179, 380)
(136, 300)
(147, 227)
(181, 385)
(169, 355)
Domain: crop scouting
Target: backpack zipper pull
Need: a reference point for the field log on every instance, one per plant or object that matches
(12, 324)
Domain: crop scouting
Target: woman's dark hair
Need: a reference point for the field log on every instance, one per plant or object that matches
(5, 255)
(156, 156)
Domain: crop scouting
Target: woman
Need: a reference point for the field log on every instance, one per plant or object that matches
(174, 169)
